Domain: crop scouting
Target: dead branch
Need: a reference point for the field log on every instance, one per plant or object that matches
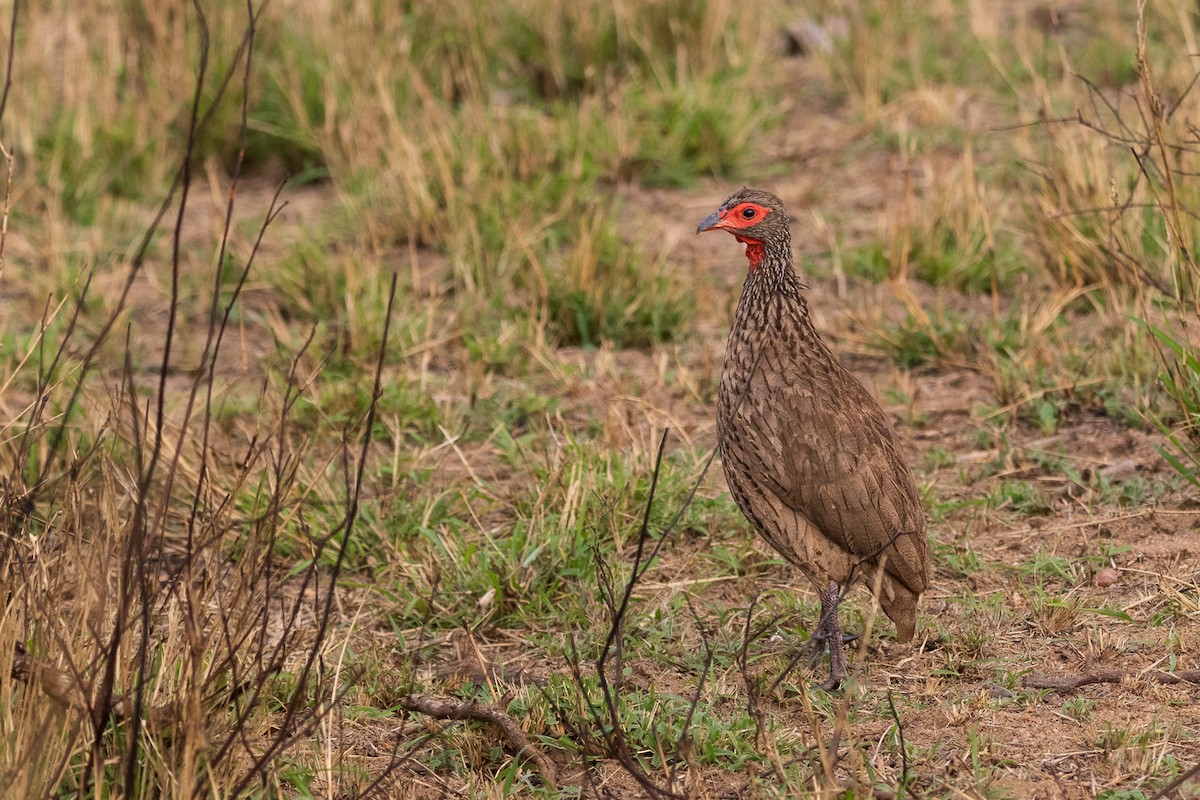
(1068, 683)
(491, 714)
(61, 687)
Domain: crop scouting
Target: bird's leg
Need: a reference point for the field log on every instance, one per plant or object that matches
(830, 632)
(817, 641)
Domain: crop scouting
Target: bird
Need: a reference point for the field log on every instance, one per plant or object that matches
(811, 459)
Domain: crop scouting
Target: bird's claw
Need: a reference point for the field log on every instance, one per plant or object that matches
(832, 684)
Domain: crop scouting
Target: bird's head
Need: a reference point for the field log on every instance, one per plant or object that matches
(755, 218)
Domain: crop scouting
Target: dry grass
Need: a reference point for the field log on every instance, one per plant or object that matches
(267, 533)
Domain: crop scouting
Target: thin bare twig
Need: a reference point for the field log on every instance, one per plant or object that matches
(196, 123)
(753, 707)
(605, 718)
(12, 49)
(614, 735)
(346, 529)
(902, 788)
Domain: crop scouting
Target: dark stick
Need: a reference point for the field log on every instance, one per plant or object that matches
(1068, 683)
(491, 714)
(1175, 784)
(902, 788)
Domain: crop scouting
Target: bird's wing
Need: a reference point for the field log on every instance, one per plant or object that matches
(828, 451)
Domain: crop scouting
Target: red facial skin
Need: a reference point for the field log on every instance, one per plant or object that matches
(734, 220)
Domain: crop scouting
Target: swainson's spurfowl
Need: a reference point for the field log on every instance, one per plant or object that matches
(810, 457)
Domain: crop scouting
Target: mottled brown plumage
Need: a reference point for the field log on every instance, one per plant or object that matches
(810, 457)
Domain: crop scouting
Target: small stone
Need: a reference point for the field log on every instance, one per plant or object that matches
(1106, 577)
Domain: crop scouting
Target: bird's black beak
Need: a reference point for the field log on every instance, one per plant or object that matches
(708, 223)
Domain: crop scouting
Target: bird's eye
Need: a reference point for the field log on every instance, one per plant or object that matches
(748, 213)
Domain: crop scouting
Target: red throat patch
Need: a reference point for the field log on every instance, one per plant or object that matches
(755, 250)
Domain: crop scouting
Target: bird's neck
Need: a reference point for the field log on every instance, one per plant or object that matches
(771, 271)
(771, 301)
(771, 320)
